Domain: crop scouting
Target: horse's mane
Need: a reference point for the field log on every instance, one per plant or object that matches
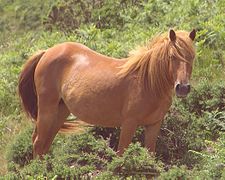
(151, 62)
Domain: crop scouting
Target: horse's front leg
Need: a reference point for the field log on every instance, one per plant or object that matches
(151, 133)
(128, 129)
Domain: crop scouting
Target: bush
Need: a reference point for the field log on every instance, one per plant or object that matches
(211, 166)
(20, 151)
(112, 135)
(79, 156)
(192, 132)
(206, 97)
(136, 162)
(175, 173)
(23, 15)
(184, 130)
(213, 158)
(70, 15)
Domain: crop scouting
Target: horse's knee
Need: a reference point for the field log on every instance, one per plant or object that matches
(127, 132)
(151, 134)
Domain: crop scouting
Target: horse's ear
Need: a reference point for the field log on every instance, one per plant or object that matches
(192, 34)
(172, 35)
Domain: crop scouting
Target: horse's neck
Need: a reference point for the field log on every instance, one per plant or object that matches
(144, 102)
(138, 83)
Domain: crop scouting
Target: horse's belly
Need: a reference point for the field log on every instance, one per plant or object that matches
(102, 115)
(94, 105)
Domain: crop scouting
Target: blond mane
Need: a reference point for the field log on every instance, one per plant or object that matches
(151, 62)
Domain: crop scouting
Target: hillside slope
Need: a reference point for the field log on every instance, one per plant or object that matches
(191, 143)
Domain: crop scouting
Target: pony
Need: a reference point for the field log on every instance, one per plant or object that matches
(105, 91)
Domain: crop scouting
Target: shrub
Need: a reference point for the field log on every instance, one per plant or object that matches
(20, 151)
(206, 97)
(70, 15)
(175, 173)
(135, 162)
(112, 135)
(211, 166)
(183, 131)
(213, 158)
(79, 156)
(75, 157)
(113, 28)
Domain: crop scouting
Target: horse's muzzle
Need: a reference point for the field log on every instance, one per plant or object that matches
(182, 90)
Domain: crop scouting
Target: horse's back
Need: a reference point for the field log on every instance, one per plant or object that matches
(63, 60)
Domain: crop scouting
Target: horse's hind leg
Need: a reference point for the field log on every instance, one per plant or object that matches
(63, 113)
(47, 114)
(48, 123)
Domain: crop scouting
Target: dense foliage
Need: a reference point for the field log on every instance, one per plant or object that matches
(192, 139)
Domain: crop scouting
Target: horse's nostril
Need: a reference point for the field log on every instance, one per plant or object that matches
(182, 89)
(188, 86)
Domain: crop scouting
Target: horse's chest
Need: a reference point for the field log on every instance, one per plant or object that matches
(156, 113)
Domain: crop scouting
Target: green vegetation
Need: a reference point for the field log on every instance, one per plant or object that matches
(191, 144)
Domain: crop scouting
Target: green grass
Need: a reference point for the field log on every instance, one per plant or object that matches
(192, 136)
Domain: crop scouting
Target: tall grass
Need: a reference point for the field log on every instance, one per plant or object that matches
(114, 28)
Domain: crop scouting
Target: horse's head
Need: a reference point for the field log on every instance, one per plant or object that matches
(181, 60)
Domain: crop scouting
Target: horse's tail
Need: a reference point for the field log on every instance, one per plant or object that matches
(74, 126)
(26, 87)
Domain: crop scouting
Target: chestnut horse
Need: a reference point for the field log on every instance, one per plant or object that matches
(100, 90)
